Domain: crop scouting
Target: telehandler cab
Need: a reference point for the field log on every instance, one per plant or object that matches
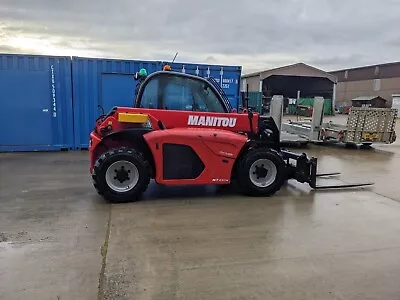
(184, 131)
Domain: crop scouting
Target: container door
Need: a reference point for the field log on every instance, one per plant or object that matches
(26, 108)
(117, 90)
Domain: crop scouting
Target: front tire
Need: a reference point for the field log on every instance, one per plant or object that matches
(261, 172)
(121, 175)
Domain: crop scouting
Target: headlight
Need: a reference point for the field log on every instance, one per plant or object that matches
(148, 124)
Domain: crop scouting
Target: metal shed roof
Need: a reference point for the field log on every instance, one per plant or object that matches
(367, 98)
(299, 69)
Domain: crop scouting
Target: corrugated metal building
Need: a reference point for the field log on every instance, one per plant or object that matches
(377, 80)
(292, 81)
(369, 101)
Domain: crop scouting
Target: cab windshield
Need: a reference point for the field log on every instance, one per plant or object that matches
(170, 91)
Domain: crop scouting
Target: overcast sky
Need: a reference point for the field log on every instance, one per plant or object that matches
(256, 34)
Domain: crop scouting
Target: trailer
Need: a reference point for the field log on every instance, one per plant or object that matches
(364, 126)
(286, 138)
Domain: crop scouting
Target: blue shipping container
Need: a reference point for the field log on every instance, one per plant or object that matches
(105, 82)
(109, 82)
(228, 77)
(36, 103)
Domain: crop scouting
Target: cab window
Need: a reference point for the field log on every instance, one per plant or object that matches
(176, 92)
(149, 97)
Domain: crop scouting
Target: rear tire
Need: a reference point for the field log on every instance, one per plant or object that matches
(121, 175)
(261, 172)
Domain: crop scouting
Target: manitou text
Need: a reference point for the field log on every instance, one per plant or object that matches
(211, 121)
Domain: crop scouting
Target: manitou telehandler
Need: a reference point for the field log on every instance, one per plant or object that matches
(205, 143)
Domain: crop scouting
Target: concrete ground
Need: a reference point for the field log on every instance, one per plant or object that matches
(60, 240)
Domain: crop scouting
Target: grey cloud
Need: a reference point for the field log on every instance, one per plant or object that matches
(255, 33)
(11, 49)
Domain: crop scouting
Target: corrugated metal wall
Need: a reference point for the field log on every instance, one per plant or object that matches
(36, 103)
(110, 83)
(385, 88)
(51, 103)
(377, 80)
(255, 100)
(227, 76)
(253, 82)
(104, 82)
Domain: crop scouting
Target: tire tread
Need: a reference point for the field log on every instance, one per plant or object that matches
(102, 188)
(244, 182)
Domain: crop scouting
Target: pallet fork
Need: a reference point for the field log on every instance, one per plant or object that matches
(305, 171)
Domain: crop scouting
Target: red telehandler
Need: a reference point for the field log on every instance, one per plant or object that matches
(183, 132)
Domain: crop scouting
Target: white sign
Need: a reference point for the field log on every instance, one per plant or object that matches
(225, 82)
(53, 91)
(220, 180)
(211, 121)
